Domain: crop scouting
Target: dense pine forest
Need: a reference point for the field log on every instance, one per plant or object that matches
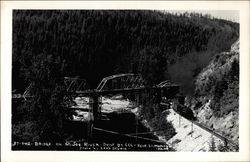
(49, 45)
(95, 44)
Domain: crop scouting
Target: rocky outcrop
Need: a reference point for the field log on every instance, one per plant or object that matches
(216, 100)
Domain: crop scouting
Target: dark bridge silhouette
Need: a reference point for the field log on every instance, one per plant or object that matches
(115, 84)
(118, 84)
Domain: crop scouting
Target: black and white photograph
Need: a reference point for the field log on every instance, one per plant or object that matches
(125, 80)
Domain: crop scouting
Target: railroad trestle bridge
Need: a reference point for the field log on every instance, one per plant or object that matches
(112, 85)
(120, 84)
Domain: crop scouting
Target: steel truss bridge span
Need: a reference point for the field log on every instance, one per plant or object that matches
(121, 84)
(115, 84)
(121, 81)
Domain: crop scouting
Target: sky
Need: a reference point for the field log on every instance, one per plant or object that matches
(232, 15)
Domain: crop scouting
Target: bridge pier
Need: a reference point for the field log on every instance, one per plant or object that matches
(137, 99)
(95, 98)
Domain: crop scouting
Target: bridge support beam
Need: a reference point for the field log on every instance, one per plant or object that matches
(95, 107)
(137, 99)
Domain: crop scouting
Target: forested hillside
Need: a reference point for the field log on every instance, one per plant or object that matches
(95, 44)
(49, 45)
